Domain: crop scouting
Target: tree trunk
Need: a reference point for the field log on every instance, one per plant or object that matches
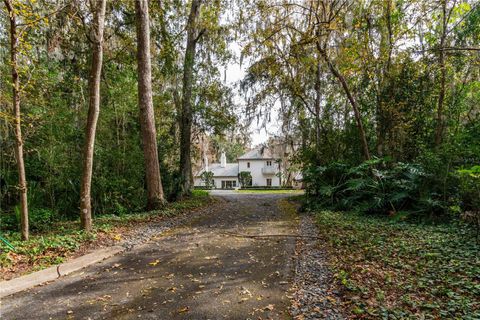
(440, 128)
(155, 197)
(383, 114)
(318, 97)
(98, 8)
(22, 180)
(351, 99)
(186, 117)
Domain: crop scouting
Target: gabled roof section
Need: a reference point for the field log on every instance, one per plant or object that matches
(230, 170)
(260, 153)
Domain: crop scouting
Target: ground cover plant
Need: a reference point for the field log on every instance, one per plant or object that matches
(400, 270)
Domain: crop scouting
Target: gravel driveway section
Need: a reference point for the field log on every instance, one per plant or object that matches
(315, 293)
(195, 271)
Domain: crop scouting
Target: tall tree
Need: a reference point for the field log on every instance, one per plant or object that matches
(351, 98)
(440, 126)
(327, 14)
(22, 180)
(186, 117)
(98, 9)
(155, 197)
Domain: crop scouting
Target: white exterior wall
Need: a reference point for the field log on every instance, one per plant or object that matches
(197, 182)
(258, 178)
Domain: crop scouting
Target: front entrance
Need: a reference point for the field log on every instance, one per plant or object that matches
(229, 184)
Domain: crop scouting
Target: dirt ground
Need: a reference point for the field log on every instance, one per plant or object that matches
(203, 270)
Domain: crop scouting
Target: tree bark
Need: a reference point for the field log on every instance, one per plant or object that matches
(22, 180)
(440, 127)
(186, 117)
(351, 99)
(98, 8)
(386, 45)
(318, 99)
(155, 197)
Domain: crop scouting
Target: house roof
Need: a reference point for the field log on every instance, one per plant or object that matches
(261, 153)
(230, 170)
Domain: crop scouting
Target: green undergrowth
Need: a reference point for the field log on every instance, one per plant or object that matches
(400, 270)
(63, 239)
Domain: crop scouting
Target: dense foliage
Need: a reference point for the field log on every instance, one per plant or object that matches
(379, 186)
(363, 80)
(54, 70)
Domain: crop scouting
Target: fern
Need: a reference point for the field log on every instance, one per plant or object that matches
(376, 186)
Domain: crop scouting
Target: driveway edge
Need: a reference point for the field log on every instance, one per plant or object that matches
(31, 280)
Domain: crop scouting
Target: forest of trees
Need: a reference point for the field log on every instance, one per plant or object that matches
(101, 101)
(381, 97)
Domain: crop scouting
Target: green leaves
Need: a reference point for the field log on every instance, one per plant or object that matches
(375, 186)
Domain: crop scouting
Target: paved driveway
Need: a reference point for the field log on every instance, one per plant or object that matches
(204, 270)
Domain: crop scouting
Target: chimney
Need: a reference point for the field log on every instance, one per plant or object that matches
(223, 160)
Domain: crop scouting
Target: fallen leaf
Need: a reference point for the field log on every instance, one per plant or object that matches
(183, 310)
(269, 307)
(154, 263)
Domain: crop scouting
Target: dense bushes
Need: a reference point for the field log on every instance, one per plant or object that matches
(382, 186)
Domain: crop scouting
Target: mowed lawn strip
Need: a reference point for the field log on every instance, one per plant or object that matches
(65, 239)
(400, 270)
(271, 191)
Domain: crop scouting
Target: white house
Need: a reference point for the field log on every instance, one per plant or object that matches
(263, 166)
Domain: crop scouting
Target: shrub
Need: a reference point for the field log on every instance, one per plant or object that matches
(376, 186)
(207, 178)
(41, 219)
(245, 179)
(470, 194)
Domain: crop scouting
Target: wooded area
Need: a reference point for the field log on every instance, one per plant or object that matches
(391, 82)
(395, 83)
(103, 105)
(73, 113)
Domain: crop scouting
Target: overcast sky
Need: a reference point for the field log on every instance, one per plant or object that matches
(234, 74)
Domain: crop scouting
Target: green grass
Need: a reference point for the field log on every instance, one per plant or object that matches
(400, 270)
(272, 191)
(63, 239)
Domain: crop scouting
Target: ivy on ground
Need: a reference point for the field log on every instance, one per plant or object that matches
(399, 270)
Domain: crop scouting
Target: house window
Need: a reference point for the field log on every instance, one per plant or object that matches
(229, 184)
(269, 182)
(248, 164)
(269, 163)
